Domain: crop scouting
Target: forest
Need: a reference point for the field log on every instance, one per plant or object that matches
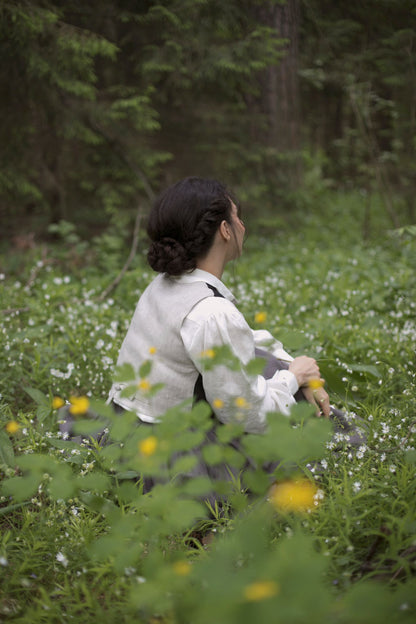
(306, 109)
(104, 105)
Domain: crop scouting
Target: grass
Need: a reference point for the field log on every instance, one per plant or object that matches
(81, 542)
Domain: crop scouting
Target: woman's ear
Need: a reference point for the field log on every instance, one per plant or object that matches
(224, 230)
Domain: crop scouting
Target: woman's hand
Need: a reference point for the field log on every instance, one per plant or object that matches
(319, 398)
(305, 369)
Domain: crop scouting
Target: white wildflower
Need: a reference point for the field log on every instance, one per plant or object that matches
(62, 559)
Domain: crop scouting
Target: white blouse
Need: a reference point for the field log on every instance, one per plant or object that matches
(235, 394)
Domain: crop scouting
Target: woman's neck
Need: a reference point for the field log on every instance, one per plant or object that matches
(213, 265)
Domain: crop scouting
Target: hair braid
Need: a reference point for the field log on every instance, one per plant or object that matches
(183, 224)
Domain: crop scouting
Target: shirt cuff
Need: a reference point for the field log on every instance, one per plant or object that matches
(288, 378)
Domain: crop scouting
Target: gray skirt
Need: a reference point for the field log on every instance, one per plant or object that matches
(346, 432)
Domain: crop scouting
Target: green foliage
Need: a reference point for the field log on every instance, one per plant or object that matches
(79, 535)
(104, 104)
(356, 63)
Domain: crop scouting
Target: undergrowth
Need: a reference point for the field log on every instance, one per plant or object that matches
(80, 540)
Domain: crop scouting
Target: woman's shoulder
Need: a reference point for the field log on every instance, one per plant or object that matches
(214, 308)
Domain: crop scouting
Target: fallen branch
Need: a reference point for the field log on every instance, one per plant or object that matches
(129, 260)
(121, 153)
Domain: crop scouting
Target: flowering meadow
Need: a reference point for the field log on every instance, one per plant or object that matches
(332, 539)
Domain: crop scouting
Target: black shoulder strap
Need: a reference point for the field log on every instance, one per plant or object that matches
(199, 392)
(215, 291)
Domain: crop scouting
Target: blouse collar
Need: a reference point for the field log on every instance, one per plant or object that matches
(198, 275)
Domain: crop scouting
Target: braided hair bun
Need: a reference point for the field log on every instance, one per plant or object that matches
(183, 223)
(169, 256)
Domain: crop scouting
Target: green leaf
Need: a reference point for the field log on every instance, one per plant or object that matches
(87, 426)
(198, 486)
(128, 474)
(63, 444)
(62, 487)
(184, 464)
(366, 368)
(21, 488)
(128, 491)
(182, 513)
(6, 510)
(333, 376)
(257, 481)
(234, 458)
(129, 391)
(6, 450)
(123, 426)
(124, 373)
(227, 432)
(293, 340)
(213, 454)
(145, 369)
(43, 411)
(155, 389)
(410, 457)
(36, 462)
(94, 481)
(37, 396)
(301, 412)
(255, 367)
(188, 440)
(101, 409)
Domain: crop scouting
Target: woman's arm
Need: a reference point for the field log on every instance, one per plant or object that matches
(264, 340)
(299, 366)
(234, 394)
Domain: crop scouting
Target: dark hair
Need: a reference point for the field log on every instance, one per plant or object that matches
(183, 223)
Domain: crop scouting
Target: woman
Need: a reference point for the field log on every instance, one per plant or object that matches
(186, 312)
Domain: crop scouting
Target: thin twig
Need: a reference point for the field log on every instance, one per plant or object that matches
(14, 310)
(37, 268)
(399, 447)
(131, 255)
(119, 150)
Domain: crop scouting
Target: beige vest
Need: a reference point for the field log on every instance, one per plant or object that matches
(156, 325)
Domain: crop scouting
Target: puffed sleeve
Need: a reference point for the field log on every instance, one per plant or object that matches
(234, 394)
(264, 339)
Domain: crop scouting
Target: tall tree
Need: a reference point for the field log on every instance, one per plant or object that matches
(280, 82)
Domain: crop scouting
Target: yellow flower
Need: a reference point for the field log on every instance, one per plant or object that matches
(315, 384)
(240, 402)
(261, 590)
(148, 445)
(217, 403)
(208, 353)
(182, 568)
(144, 385)
(294, 495)
(79, 405)
(57, 402)
(12, 426)
(152, 350)
(260, 317)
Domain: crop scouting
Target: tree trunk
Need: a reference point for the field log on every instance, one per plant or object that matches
(280, 84)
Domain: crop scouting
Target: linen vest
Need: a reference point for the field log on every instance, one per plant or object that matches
(156, 326)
